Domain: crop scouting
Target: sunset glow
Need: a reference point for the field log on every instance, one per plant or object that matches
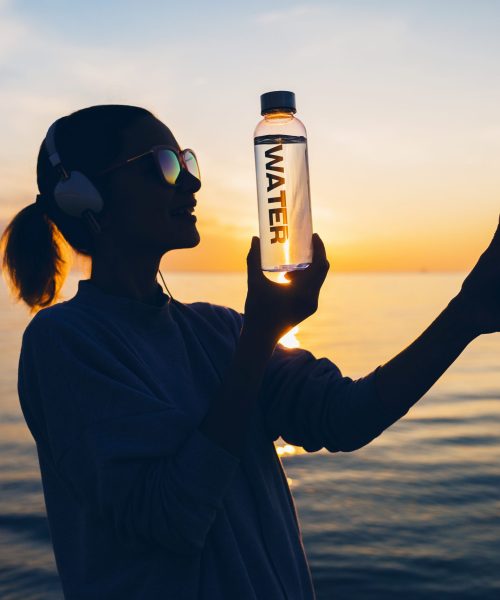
(281, 278)
(286, 249)
(289, 340)
(398, 98)
(289, 450)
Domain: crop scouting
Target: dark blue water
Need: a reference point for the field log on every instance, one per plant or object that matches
(413, 515)
(416, 518)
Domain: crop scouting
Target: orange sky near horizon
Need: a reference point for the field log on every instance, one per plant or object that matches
(218, 251)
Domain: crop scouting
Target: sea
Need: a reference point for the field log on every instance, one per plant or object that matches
(414, 515)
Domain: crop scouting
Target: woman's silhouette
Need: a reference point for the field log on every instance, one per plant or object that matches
(154, 420)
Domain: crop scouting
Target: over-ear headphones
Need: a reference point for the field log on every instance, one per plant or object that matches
(75, 194)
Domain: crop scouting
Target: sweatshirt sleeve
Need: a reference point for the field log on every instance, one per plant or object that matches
(131, 459)
(308, 402)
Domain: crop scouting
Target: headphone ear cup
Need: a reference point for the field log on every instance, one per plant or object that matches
(77, 194)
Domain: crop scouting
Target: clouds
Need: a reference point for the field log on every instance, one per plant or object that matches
(12, 31)
(392, 93)
(285, 16)
(44, 78)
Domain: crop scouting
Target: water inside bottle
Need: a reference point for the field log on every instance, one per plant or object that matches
(284, 204)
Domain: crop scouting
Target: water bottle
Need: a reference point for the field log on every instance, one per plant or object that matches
(282, 169)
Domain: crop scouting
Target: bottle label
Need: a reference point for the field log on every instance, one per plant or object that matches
(283, 193)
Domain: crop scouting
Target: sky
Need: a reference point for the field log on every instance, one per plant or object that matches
(400, 98)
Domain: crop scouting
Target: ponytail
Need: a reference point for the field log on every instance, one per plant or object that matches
(36, 258)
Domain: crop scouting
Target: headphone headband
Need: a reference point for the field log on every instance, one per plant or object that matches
(50, 143)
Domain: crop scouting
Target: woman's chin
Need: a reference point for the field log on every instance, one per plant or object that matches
(188, 241)
(195, 240)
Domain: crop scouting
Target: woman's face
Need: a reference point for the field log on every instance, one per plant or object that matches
(140, 212)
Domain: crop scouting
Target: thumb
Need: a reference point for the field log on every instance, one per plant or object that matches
(254, 261)
(254, 249)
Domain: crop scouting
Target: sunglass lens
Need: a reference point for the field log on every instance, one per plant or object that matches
(169, 164)
(191, 163)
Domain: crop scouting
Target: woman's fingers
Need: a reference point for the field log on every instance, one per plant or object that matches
(320, 260)
(271, 302)
(314, 275)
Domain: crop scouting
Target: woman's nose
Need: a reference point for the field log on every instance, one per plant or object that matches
(188, 182)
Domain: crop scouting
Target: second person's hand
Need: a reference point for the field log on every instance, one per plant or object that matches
(275, 308)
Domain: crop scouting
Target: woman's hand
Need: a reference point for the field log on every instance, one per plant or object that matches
(479, 297)
(275, 308)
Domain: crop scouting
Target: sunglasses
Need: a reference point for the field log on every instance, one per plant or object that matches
(169, 161)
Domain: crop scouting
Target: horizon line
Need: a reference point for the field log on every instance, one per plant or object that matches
(342, 272)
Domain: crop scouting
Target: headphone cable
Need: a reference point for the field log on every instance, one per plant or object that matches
(170, 297)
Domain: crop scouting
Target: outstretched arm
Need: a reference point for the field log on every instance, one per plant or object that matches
(474, 311)
(308, 402)
(404, 379)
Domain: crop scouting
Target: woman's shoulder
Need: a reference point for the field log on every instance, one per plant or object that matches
(219, 310)
(217, 314)
(64, 316)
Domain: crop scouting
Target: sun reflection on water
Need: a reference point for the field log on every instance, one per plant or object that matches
(289, 340)
(289, 450)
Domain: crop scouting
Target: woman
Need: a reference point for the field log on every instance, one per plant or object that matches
(154, 420)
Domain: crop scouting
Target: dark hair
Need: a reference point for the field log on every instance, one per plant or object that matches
(36, 254)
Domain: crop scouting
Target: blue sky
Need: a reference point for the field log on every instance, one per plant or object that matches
(400, 99)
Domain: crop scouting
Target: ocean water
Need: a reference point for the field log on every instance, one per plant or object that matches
(413, 515)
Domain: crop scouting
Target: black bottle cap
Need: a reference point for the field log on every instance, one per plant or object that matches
(275, 101)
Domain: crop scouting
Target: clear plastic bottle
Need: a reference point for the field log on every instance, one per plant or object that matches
(282, 169)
